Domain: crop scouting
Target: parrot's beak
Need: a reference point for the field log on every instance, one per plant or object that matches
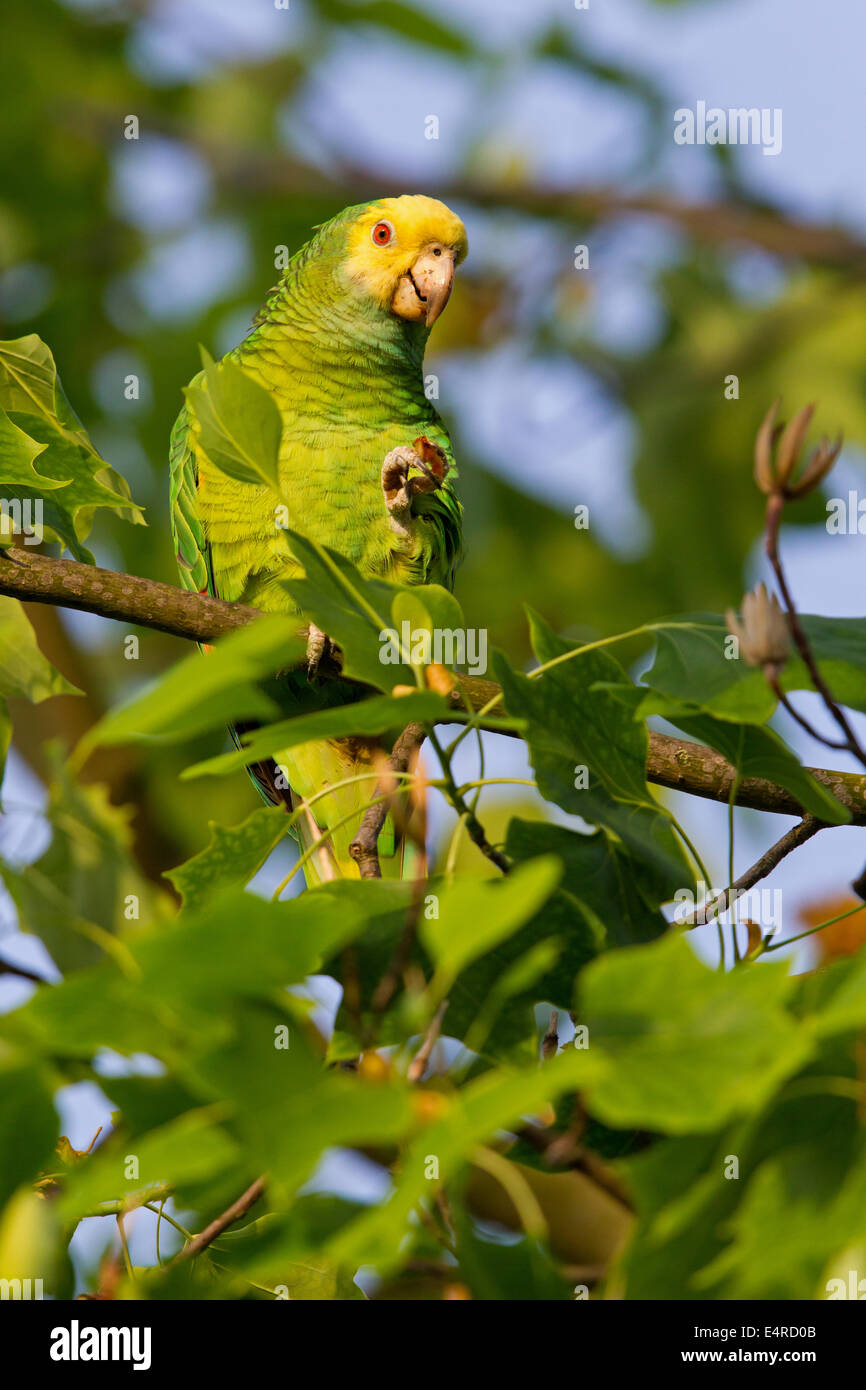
(425, 289)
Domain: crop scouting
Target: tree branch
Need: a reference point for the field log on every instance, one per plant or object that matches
(142, 602)
(674, 763)
(222, 1223)
(364, 848)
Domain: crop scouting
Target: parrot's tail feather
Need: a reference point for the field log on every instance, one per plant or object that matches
(350, 767)
(322, 866)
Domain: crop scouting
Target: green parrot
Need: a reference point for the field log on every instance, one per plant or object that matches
(365, 464)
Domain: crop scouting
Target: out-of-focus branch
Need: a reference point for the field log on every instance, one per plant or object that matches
(248, 169)
(672, 762)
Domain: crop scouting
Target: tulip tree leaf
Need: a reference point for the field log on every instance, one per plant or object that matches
(236, 423)
(694, 665)
(80, 480)
(574, 726)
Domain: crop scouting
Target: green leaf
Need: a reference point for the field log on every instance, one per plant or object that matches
(687, 1048)
(475, 915)
(759, 752)
(28, 1124)
(493, 1102)
(287, 1107)
(231, 858)
(428, 626)
(380, 715)
(354, 612)
(23, 669)
(692, 667)
(85, 891)
(17, 455)
(798, 1212)
(185, 1151)
(237, 423)
(165, 1002)
(835, 998)
(572, 726)
(33, 399)
(203, 693)
(598, 872)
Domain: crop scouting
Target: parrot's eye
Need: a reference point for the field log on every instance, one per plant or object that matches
(382, 234)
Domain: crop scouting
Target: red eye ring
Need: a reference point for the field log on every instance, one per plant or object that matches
(382, 234)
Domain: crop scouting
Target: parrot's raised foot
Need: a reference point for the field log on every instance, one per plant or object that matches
(400, 484)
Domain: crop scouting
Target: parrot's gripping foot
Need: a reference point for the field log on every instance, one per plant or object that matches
(400, 483)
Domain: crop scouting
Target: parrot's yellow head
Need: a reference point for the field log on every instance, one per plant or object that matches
(403, 251)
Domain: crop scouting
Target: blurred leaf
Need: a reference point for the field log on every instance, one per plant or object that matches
(687, 1048)
(23, 669)
(184, 1151)
(380, 715)
(199, 694)
(85, 890)
(231, 858)
(493, 1102)
(288, 1108)
(475, 915)
(28, 1124)
(400, 19)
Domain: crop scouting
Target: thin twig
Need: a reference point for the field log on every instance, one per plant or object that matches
(792, 840)
(550, 1041)
(7, 968)
(775, 508)
(418, 1065)
(222, 1223)
(387, 986)
(364, 848)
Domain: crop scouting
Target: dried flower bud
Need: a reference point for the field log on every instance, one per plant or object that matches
(819, 465)
(765, 441)
(777, 452)
(789, 445)
(763, 633)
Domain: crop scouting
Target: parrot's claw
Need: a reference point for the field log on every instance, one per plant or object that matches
(400, 485)
(318, 646)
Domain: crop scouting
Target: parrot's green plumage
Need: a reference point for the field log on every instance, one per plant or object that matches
(339, 344)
